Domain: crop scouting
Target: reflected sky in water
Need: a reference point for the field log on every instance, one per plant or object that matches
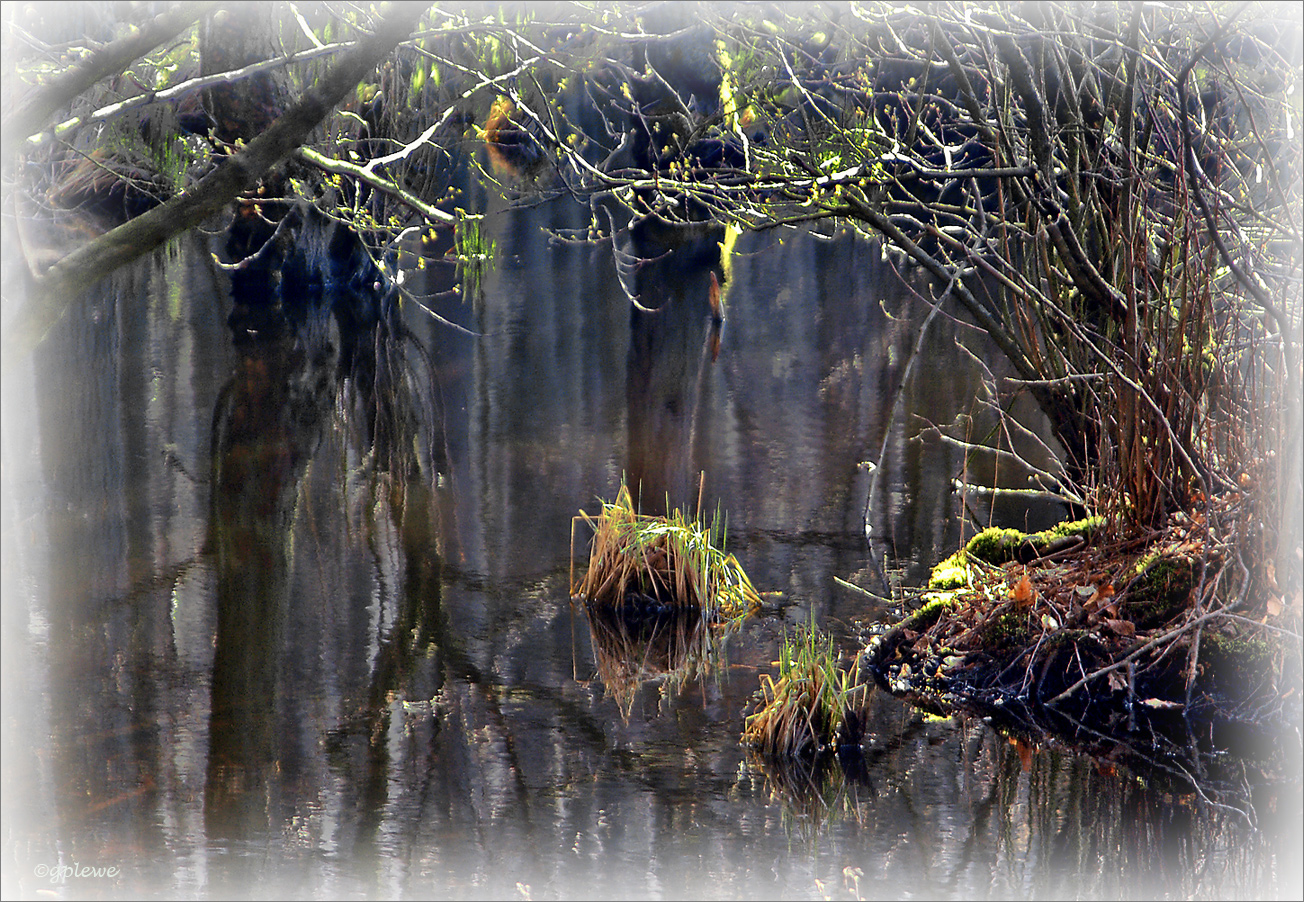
(277, 626)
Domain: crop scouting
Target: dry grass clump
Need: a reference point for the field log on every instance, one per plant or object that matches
(813, 705)
(661, 561)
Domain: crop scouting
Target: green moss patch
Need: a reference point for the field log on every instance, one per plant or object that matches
(998, 547)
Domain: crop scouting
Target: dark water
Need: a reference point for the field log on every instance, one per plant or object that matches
(269, 633)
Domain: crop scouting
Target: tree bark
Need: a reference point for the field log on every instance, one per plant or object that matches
(54, 291)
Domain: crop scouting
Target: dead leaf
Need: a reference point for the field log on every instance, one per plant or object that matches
(1023, 592)
(1275, 606)
(1117, 681)
(1121, 627)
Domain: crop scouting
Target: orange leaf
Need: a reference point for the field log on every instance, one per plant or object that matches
(1023, 592)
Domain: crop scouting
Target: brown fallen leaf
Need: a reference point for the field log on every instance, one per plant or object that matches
(1023, 592)
(1121, 627)
(1117, 681)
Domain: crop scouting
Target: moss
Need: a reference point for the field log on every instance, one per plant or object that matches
(1068, 637)
(1085, 527)
(935, 605)
(1000, 546)
(1161, 589)
(952, 573)
(995, 546)
(1011, 628)
(1237, 660)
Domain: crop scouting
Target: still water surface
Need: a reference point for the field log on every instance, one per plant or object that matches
(273, 633)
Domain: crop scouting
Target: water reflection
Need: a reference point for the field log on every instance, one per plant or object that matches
(632, 644)
(268, 423)
(667, 272)
(396, 709)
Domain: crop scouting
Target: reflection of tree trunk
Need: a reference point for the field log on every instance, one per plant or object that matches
(415, 629)
(266, 427)
(668, 351)
(237, 36)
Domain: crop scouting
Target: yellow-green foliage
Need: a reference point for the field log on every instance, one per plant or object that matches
(670, 558)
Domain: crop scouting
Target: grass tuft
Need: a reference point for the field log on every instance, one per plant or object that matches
(812, 706)
(669, 561)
